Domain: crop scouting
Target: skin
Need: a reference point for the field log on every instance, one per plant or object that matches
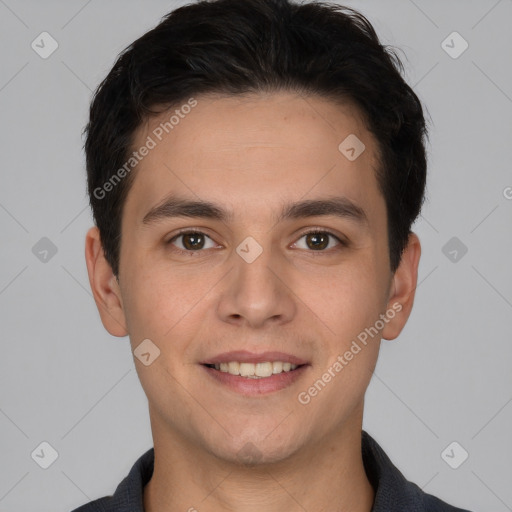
(250, 155)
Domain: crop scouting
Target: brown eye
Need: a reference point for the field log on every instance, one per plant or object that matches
(319, 241)
(191, 241)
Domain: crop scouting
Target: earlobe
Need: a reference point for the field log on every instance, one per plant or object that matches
(104, 285)
(403, 289)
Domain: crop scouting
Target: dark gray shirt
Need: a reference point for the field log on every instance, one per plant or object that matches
(393, 493)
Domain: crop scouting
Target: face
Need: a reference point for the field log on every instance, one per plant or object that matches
(284, 259)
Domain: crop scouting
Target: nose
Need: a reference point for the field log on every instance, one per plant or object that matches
(257, 292)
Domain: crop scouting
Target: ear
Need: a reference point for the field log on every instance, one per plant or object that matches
(104, 285)
(403, 288)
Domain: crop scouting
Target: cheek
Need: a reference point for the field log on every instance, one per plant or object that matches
(149, 305)
(347, 297)
(165, 306)
(349, 309)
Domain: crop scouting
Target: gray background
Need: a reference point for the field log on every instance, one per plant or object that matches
(66, 381)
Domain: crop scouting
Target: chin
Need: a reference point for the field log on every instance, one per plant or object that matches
(255, 448)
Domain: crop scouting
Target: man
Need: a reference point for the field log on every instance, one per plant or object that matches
(254, 170)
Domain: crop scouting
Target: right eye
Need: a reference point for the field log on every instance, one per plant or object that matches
(191, 241)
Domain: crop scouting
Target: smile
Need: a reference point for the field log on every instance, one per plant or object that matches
(254, 370)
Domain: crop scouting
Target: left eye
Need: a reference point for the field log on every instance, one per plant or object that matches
(192, 241)
(318, 240)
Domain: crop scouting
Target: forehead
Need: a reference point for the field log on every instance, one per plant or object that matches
(252, 150)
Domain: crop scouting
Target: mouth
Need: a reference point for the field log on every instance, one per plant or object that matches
(255, 374)
(254, 370)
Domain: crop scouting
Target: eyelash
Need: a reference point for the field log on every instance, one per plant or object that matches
(189, 231)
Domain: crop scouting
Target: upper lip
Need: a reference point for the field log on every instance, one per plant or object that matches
(244, 356)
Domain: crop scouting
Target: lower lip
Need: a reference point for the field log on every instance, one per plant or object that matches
(261, 386)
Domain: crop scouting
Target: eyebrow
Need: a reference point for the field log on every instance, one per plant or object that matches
(337, 206)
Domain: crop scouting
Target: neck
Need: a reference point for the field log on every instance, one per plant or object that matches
(327, 476)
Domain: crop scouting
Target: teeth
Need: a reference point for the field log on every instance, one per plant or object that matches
(255, 371)
(233, 368)
(246, 369)
(264, 369)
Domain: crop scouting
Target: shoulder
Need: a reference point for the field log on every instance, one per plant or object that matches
(433, 504)
(128, 496)
(392, 490)
(99, 505)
